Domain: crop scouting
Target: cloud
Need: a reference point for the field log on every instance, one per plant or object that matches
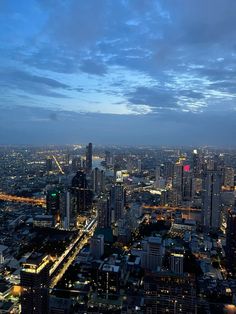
(31, 83)
(157, 61)
(92, 67)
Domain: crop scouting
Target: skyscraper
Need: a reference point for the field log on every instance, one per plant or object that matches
(178, 182)
(228, 176)
(157, 177)
(117, 200)
(97, 246)
(53, 204)
(98, 181)
(82, 195)
(48, 164)
(211, 208)
(34, 280)
(89, 158)
(231, 240)
(104, 213)
(176, 263)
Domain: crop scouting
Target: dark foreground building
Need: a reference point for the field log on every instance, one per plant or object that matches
(34, 280)
(168, 292)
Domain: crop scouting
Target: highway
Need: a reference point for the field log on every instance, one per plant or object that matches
(59, 268)
(20, 199)
(170, 208)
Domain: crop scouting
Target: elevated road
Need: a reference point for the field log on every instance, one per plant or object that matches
(20, 199)
(59, 268)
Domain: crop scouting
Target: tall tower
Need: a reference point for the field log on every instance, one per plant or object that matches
(211, 208)
(117, 197)
(157, 177)
(231, 240)
(229, 176)
(104, 213)
(82, 194)
(178, 182)
(53, 204)
(89, 158)
(34, 280)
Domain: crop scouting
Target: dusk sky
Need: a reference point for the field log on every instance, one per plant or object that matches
(118, 72)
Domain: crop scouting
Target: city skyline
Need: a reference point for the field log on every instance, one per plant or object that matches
(122, 72)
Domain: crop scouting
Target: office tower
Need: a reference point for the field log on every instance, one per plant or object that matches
(53, 204)
(178, 182)
(177, 263)
(108, 159)
(89, 158)
(187, 186)
(117, 200)
(157, 177)
(211, 206)
(95, 180)
(48, 164)
(97, 246)
(76, 164)
(168, 169)
(139, 166)
(116, 169)
(231, 241)
(34, 280)
(168, 292)
(98, 181)
(82, 195)
(196, 163)
(228, 176)
(66, 209)
(109, 276)
(102, 181)
(153, 252)
(196, 186)
(104, 213)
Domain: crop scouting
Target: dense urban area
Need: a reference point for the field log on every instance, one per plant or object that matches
(117, 230)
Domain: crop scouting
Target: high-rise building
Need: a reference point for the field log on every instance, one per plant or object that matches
(177, 263)
(53, 204)
(157, 177)
(97, 246)
(76, 164)
(66, 209)
(168, 169)
(153, 253)
(228, 177)
(104, 213)
(231, 241)
(166, 292)
(108, 158)
(196, 164)
(82, 195)
(48, 164)
(139, 166)
(178, 182)
(89, 158)
(211, 205)
(117, 200)
(34, 281)
(187, 188)
(98, 183)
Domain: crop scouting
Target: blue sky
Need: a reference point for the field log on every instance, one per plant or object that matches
(122, 72)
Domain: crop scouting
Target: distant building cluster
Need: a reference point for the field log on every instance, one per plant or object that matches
(91, 229)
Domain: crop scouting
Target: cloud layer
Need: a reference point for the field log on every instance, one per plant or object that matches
(153, 67)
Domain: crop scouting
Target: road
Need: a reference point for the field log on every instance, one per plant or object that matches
(61, 265)
(20, 199)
